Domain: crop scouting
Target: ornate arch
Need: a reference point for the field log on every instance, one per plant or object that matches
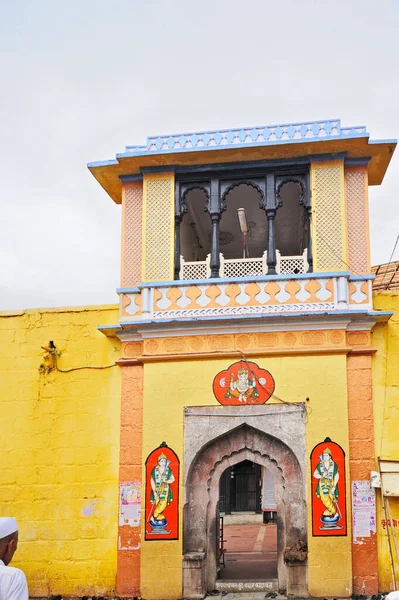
(186, 188)
(257, 184)
(202, 494)
(299, 180)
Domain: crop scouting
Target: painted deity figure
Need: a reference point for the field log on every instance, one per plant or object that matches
(161, 493)
(327, 487)
(244, 387)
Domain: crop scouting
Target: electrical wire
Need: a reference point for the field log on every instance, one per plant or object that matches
(389, 264)
(53, 351)
(271, 393)
(312, 224)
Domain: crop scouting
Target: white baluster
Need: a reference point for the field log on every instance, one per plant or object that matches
(278, 259)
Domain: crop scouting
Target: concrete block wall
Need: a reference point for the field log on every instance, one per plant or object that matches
(60, 448)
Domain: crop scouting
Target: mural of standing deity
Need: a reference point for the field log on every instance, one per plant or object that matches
(328, 487)
(162, 494)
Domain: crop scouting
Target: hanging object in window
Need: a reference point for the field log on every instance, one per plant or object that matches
(242, 219)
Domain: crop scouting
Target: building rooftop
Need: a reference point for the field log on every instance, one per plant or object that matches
(386, 276)
(261, 143)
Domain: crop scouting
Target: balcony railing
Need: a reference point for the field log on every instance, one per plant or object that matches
(243, 267)
(249, 296)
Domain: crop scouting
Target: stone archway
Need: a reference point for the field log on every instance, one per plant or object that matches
(214, 443)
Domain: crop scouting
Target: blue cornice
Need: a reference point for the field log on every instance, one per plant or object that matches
(352, 162)
(127, 178)
(291, 133)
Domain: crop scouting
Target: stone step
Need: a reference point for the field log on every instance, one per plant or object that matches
(232, 586)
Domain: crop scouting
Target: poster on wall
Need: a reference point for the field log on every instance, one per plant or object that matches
(162, 494)
(327, 464)
(242, 383)
(130, 503)
(129, 515)
(363, 510)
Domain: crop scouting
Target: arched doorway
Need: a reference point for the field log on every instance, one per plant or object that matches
(248, 530)
(223, 446)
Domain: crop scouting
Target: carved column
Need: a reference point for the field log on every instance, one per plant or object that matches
(271, 247)
(178, 220)
(271, 207)
(310, 250)
(215, 208)
(308, 208)
(180, 211)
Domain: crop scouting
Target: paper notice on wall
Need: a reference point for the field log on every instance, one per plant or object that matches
(361, 524)
(130, 503)
(363, 510)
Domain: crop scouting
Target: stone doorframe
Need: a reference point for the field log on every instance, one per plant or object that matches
(218, 437)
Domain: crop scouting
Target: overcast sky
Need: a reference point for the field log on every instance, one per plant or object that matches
(80, 79)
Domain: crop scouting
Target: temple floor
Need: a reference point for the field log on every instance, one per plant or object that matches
(250, 552)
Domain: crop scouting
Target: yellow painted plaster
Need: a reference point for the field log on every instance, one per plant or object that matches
(322, 379)
(60, 448)
(385, 340)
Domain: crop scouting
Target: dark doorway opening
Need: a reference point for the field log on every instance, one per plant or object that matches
(240, 488)
(247, 540)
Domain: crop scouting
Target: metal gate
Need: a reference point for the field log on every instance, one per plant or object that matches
(240, 488)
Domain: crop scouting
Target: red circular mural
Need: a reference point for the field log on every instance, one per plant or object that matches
(243, 383)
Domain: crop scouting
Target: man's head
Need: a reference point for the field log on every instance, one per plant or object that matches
(326, 454)
(8, 538)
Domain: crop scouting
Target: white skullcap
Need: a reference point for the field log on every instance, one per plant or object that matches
(8, 525)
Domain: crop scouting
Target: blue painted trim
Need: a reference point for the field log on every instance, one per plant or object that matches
(102, 163)
(343, 313)
(134, 290)
(126, 178)
(207, 169)
(106, 327)
(146, 152)
(357, 161)
(159, 169)
(251, 127)
(358, 277)
(266, 278)
(328, 157)
(393, 141)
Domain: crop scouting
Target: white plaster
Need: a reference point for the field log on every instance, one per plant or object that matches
(164, 301)
(242, 297)
(262, 297)
(183, 301)
(282, 295)
(131, 308)
(203, 300)
(223, 299)
(323, 293)
(358, 296)
(302, 295)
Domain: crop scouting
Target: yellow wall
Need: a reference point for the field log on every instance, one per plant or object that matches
(386, 415)
(170, 386)
(60, 448)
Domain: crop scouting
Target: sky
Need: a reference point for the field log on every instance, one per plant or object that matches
(80, 79)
